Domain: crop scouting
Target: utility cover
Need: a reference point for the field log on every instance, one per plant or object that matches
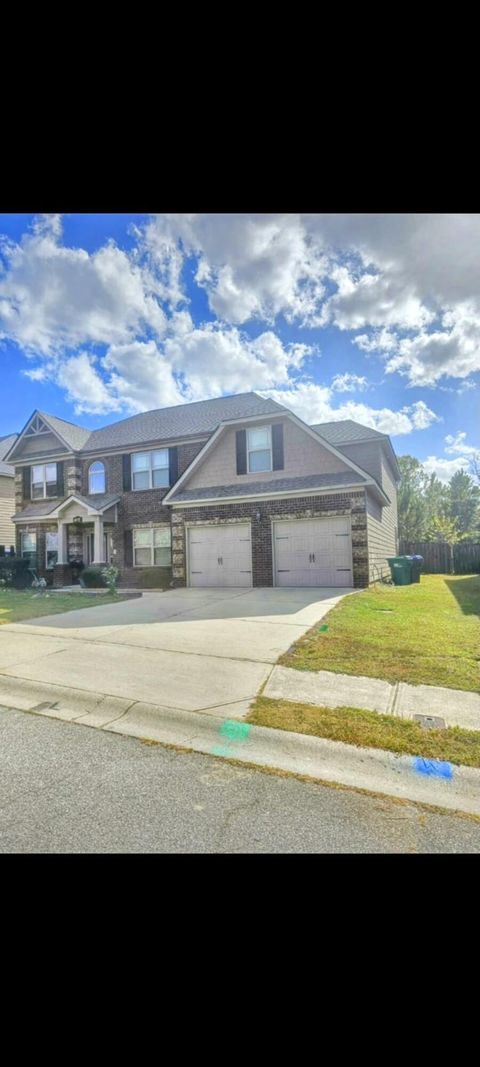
(431, 722)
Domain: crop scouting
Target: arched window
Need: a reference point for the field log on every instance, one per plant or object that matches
(96, 478)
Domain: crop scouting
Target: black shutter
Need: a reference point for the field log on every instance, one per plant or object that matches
(241, 451)
(27, 483)
(277, 447)
(128, 548)
(173, 465)
(60, 479)
(127, 473)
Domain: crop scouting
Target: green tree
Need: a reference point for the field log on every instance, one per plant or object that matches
(436, 498)
(463, 498)
(412, 516)
(443, 528)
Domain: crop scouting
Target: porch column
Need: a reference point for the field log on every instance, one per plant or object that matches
(62, 543)
(98, 547)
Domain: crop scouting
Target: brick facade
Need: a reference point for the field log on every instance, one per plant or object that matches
(351, 503)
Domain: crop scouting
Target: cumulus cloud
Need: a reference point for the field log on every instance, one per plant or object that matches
(349, 383)
(314, 403)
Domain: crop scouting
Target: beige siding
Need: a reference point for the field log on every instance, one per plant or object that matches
(38, 445)
(368, 456)
(7, 509)
(382, 526)
(302, 455)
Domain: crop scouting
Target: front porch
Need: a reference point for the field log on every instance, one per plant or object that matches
(62, 539)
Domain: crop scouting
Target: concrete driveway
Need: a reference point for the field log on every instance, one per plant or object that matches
(190, 649)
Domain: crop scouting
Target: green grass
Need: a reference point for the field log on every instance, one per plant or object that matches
(367, 729)
(427, 633)
(17, 606)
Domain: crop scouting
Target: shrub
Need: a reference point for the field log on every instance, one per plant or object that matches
(15, 572)
(149, 578)
(110, 575)
(93, 578)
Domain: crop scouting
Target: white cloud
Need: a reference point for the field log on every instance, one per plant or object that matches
(349, 383)
(83, 385)
(444, 468)
(313, 403)
(457, 443)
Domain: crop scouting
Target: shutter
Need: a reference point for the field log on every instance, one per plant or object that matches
(277, 447)
(241, 451)
(27, 483)
(173, 465)
(128, 548)
(60, 479)
(127, 473)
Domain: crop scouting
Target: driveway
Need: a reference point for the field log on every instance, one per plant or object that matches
(189, 649)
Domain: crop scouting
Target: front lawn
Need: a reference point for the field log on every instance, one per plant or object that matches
(427, 633)
(19, 605)
(367, 729)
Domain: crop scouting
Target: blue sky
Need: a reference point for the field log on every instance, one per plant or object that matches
(370, 317)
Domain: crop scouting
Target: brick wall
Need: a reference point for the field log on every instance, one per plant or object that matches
(352, 504)
(40, 529)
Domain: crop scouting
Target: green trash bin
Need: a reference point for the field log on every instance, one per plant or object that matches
(400, 569)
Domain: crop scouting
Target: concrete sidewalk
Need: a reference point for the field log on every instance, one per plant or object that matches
(424, 781)
(324, 688)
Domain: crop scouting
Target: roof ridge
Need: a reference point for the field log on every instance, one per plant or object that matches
(68, 422)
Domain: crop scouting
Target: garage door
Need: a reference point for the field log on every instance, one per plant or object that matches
(313, 552)
(220, 555)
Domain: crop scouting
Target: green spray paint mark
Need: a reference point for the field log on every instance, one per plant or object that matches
(221, 750)
(235, 731)
(322, 629)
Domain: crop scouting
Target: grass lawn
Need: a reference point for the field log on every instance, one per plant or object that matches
(19, 605)
(367, 729)
(427, 633)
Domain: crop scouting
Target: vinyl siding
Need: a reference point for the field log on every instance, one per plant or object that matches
(38, 445)
(7, 509)
(302, 455)
(368, 456)
(382, 526)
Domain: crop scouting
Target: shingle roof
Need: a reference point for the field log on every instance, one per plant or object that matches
(73, 435)
(100, 501)
(277, 485)
(202, 417)
(6, 444)
(345, 432)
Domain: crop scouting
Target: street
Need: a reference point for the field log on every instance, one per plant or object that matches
(65, 788)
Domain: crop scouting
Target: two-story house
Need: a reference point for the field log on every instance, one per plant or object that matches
(7, 494)
(235, 491)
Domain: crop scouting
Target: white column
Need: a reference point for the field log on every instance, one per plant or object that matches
(98, 546)
(62, 543)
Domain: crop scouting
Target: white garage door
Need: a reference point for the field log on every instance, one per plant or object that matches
(220, 555)
(313, 552)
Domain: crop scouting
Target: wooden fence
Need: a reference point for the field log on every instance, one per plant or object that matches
(441, 558)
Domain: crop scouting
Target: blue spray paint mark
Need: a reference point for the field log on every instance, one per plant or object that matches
(433, 767)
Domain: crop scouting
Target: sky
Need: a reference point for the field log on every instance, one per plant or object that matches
(372, 317)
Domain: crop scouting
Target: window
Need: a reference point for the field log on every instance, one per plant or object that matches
(150, 470)
(151, 548)
(29, 548)
(96, 478)
(44, 481)
(51, 550)
(259, 447)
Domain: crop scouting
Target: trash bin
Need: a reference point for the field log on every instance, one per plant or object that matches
(400, 569)
(416, 565)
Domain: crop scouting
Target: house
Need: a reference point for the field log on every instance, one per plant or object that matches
(234, 491)
(7, 494)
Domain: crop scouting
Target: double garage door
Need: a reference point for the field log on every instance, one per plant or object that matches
(306, 552)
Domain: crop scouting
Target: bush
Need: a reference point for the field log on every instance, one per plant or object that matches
(149, 578)
(110, 575)
(15, 572)
(93, 578)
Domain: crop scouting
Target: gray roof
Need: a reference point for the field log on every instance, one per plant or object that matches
(100, 501)
(345, 432)
(6, 443)
(183, 420)
(277, 485)
(73, 435)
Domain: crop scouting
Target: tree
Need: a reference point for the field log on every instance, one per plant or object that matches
(411, 503)
(436, 499)
(463, 498)
(443, 528)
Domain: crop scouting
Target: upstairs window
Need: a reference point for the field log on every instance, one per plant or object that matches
(259, 449)
(44, 481)
(150, 470)
(96, 478)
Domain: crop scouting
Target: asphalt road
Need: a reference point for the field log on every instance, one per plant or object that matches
(66, 788)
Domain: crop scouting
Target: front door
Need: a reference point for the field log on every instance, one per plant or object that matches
(90, 548)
